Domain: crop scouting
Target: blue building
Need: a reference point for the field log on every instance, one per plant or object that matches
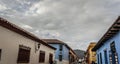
(64, 54)
(108, 47)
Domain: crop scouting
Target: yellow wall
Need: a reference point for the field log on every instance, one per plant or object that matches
(91, 56)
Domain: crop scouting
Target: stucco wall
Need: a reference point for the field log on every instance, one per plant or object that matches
(9, 43)
(106, 46)
(65, 54)
(57, 50)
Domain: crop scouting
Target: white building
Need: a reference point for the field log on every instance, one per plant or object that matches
(18, 46)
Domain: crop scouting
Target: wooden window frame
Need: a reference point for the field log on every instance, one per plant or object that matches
(50, 57)
(105, 56)
(101, 58)
(60, 57)
(113, 47)
(60, 47)
(42, 57)
(23, 54)
(98, 58)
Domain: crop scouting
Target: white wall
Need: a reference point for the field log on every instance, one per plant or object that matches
(9, 43)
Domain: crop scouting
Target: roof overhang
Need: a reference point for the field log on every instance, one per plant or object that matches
(114, 29)
(4, 23)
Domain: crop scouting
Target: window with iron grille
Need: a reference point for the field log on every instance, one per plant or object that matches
(42, 57)
(23, 54)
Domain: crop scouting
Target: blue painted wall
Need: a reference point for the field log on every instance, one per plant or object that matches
(65, 52)
(106, 46)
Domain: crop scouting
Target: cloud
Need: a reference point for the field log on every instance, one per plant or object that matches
(76, 22)
(27, 27)
(2, 7)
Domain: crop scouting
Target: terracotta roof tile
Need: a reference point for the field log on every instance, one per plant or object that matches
(56, 41)
(53, 41)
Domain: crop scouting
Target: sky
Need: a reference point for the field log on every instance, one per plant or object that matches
(75, 22)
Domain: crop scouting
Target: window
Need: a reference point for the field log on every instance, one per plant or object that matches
(105, 53)
(60, 57)
(61, 47)
(0, 53)
(100, 58)
(112, 46)
(23, 54)
(50, 57)
(42, 57)
(116, 58)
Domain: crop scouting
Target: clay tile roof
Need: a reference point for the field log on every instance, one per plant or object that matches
(53, 41)
(4, 23)
(56, 41)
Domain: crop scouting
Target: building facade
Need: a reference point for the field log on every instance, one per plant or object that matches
(108, 47)
(64, 54)
(18, 46)
(90, 55)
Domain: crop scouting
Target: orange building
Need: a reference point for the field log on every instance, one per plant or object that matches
(90, 55)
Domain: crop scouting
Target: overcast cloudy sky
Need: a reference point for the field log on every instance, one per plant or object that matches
(76, 22)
